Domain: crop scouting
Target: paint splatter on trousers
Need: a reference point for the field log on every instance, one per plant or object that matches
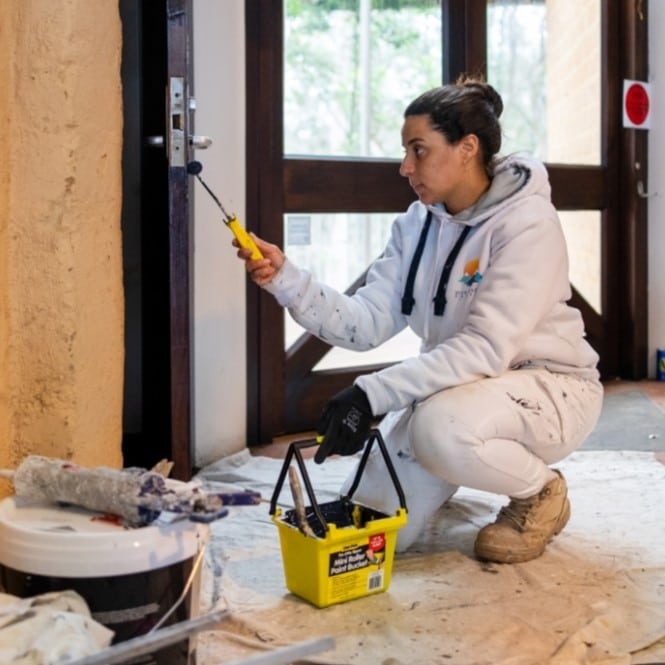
(498, 435)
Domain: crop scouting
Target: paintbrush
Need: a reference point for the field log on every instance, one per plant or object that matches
(299, 502)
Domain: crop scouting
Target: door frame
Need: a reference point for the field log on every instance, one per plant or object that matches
(179, 66)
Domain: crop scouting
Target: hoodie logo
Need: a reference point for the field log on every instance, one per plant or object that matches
(471, 275)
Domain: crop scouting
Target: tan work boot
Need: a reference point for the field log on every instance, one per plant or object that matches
(525, 526)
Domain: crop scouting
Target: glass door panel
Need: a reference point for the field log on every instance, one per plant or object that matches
(516, 54)
(337, 248)
(404, 345)
(351, 67)
(582, 229)
(549, 75)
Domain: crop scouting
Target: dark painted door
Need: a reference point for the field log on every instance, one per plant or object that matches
(156, 233)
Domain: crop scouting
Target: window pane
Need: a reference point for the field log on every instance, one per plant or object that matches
(350, 69)
(548, 75)
(404, 345)
(337, 248)
(582, 231)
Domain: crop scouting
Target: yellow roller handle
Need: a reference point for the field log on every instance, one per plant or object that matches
(243, 238)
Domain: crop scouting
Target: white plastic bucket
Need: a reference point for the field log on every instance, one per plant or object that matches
(129, 578)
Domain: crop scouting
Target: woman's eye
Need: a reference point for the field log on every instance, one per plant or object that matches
(417, 151)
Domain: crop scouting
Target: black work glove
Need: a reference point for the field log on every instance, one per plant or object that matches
(345, 424)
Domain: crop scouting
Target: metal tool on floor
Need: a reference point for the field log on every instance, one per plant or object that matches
(243, 238)
(129, 651)
(345, 550)
(152, 642)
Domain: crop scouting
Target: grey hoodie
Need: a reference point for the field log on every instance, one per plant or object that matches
(506, 297)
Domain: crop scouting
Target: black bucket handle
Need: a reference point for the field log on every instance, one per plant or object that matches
(295, 451)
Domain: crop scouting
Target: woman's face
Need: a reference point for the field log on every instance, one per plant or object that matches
(435, 168)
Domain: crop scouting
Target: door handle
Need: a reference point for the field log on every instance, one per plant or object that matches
(197, 142)
(200, 142)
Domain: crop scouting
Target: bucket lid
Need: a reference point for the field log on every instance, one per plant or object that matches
(51, 540)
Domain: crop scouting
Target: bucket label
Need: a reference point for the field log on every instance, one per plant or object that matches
(360, 557)
(348, 560)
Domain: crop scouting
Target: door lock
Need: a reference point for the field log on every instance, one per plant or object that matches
(177, 122)
(177, 128)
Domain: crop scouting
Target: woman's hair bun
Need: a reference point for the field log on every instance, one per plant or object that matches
(479, 85)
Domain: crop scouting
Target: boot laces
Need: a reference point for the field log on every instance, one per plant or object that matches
(516, 512)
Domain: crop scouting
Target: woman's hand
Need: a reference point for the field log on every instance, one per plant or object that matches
(261, 271)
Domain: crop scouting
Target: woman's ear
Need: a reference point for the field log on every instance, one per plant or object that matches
(469, 147)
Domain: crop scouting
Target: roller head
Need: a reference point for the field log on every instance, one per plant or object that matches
(194, 168)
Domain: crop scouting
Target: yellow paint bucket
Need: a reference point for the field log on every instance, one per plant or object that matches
(340, 550)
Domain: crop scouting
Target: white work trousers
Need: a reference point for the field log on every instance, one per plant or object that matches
(497, 434)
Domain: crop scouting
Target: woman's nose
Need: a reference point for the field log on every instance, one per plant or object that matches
(405, 168)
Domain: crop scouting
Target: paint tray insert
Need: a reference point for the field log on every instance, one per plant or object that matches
(339, 550)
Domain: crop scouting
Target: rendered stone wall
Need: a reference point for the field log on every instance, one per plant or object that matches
(61, 298)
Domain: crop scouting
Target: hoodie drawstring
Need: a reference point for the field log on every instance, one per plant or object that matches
(440, 298)
(408, 301)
